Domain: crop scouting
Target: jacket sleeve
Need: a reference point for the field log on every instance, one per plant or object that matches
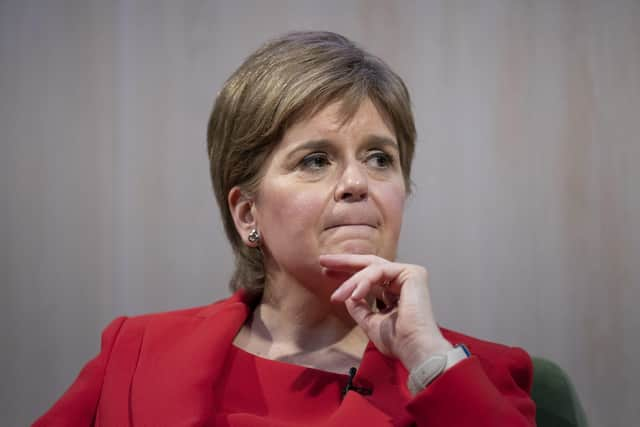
(476, 393)
(77, 406)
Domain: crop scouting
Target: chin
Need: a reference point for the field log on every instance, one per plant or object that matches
(358, 247)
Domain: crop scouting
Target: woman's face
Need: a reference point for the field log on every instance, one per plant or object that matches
(331, 187)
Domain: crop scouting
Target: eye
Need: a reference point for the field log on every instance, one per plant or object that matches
(315, 161)
(380, 160)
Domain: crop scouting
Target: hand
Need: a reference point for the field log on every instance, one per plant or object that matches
(407, 330)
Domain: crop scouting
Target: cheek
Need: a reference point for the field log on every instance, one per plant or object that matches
(391, 201)
(392, 198)
(290, 213)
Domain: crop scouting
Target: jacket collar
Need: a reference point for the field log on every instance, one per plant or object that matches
(181, 356)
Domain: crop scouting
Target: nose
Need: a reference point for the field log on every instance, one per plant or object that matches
(353, 185)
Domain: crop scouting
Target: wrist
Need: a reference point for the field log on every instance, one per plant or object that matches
(420, 352)
(431, 368)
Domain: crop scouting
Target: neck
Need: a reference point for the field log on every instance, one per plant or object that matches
(292, 323)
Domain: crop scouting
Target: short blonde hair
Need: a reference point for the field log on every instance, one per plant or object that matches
(285, 81)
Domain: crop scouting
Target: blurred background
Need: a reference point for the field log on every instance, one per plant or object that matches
(524, 210)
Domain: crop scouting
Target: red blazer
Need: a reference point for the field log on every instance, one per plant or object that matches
(160, 370)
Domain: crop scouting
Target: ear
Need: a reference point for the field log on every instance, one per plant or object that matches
(241, 207)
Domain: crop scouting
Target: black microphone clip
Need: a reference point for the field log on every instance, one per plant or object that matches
(361, 390)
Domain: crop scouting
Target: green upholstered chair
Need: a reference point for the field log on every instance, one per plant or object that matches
(556, 399)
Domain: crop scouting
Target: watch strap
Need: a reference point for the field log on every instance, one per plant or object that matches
(434, 366)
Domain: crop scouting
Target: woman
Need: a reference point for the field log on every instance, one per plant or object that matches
(310, 143)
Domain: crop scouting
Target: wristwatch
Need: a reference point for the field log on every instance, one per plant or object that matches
(422, 375)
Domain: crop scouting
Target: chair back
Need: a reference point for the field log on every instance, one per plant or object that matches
(557, 403)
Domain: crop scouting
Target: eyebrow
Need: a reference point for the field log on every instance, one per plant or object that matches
(378, 140)
(322, 144)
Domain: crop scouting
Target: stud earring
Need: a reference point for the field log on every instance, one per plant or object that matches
(254, 236)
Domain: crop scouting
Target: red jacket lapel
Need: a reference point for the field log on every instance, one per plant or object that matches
(165, 374)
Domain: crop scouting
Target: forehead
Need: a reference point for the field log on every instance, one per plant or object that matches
(332, 121)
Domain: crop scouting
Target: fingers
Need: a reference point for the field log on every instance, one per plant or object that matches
(379, 327)
(389, 300)
(402, 310)
(361, 312)
(343, 266)
(362, 283)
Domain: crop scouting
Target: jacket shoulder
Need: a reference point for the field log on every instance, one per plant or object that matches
(497, 359)
(202, 311)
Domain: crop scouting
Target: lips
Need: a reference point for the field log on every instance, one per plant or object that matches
(351, 225)
(353, 219)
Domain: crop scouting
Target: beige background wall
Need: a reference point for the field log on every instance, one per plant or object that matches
(526, 208)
